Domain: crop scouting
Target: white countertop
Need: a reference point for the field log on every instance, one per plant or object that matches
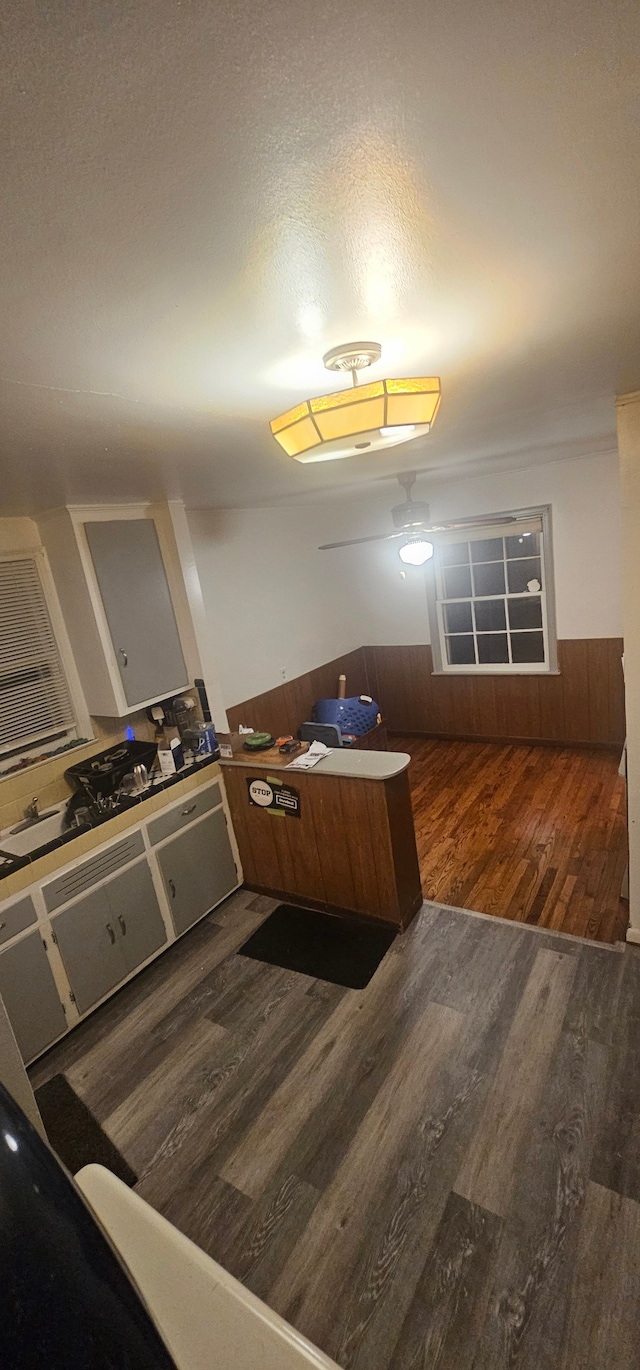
(361, 765)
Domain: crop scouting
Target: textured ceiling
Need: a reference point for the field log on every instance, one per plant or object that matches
(201, 196)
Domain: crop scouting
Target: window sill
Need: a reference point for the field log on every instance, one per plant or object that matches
(16, 766)
(504, 675)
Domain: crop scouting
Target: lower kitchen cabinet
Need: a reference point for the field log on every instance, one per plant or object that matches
(107, 933)
(198, 869)
(105, 917)
(30, 996)
(90, 947)
(136, 913)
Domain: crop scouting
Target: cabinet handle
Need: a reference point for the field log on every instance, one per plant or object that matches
(123, 926)
(186, 812)
(111, 933)
(123, 654)
(173, 889)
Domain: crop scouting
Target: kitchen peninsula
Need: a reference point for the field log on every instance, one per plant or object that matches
(338, 837)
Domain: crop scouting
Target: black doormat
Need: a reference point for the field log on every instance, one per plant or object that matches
(73, 1132)
(319, 944)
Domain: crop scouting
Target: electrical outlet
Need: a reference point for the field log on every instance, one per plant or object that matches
(283, 673)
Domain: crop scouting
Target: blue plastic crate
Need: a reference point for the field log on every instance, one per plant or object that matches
(350, 715)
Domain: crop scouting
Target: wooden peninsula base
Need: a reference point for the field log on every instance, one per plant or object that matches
(339, 837)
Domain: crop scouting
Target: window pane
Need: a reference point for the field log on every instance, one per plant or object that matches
(525, 545)
(525, 613)
(527, 647)
(457, 618)
(521, 572)
(490, 615)
(461, 651)
(487, 549)
(457, 583)
(492, 648)
(457, 554)
(488, 579)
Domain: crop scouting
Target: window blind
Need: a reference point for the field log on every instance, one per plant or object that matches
(34, 697)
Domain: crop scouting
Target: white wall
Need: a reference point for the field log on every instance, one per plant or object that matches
(274, 603)
(276, 606)
(18, 535)
(585, 500)
(629, 440)
(13, 1074)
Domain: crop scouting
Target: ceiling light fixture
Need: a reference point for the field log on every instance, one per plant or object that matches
(374, 416)
(415, 552)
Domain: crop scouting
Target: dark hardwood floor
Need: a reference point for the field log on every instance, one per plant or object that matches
(537, 834)
(439, 1172)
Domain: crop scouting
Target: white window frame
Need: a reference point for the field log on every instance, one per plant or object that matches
(82, 726)
(436, 599)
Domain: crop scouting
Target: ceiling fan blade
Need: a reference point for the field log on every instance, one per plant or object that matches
(351, 542)
(418, 530)
(452, 524)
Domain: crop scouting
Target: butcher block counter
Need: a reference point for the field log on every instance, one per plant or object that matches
(339, 837)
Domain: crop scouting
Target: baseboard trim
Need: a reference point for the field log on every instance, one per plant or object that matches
(284, 897)
(615, 747)
(633, 935)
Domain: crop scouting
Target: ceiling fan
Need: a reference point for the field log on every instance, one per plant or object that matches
(412, 519)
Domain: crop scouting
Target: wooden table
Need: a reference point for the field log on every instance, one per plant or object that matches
(339, 838)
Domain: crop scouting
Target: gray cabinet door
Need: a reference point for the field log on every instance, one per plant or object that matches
(194, 805)
(136, 914)
(30, 996)
(91, 947)
(15, 917)
(133, 585)
(198, 869)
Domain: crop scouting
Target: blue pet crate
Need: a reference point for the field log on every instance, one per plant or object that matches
(353, 715)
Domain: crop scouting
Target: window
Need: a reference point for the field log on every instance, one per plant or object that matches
(35, 700)
(491, 599)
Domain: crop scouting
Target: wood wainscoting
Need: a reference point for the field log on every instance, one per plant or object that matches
(283, 709)
(582, 705)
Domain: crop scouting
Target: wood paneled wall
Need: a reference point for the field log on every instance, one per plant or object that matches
(284, 708)
(583, 704)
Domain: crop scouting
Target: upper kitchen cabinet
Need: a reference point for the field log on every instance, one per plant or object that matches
(116, 601)
(133, 587)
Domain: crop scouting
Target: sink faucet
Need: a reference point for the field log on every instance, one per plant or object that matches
(31, 817)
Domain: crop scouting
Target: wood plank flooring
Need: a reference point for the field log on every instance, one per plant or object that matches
(439, 1172)
(536, 834)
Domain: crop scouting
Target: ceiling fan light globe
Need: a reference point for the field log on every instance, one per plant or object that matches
(415, 552)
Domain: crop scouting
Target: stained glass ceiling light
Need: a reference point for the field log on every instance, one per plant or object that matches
(366, 418)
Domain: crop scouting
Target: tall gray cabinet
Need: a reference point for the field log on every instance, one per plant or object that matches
(133, 587)
(114, 588)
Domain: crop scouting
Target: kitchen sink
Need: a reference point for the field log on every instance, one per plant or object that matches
(48, 827)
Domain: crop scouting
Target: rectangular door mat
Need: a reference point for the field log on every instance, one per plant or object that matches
(342, 951)
(74, 1133)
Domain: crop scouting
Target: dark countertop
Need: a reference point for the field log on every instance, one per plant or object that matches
(10, 863)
